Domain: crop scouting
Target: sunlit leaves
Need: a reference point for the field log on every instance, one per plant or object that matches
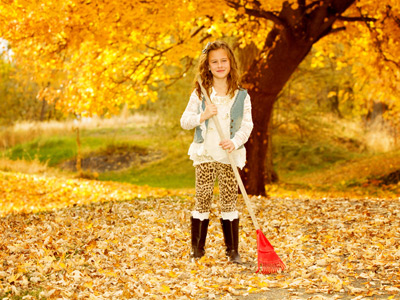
(374, 54)
(92, 56)
(102, 55)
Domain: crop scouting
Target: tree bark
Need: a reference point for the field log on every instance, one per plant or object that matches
(78, 153)
(43, 110)
(285, 48)
(271, 175)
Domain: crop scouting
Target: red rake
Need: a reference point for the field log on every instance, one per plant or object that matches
(268, 260)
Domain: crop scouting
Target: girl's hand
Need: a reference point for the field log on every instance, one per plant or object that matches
(227, 145)
(211, 110)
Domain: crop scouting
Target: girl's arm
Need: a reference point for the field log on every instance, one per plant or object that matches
(193, 116)
(243, 134)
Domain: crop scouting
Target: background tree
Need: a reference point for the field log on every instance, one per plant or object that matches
(98, 55)
(19, 96)
(296, 28)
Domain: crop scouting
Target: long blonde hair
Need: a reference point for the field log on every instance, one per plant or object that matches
(205, 74)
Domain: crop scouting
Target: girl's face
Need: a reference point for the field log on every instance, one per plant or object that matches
(219, 63)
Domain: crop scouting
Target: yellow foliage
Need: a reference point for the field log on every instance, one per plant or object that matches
(89, 57)
(95, 55)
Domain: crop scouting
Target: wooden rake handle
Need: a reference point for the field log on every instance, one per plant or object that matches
(231, 160)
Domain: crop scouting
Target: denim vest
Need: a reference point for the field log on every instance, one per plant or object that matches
(236, 114)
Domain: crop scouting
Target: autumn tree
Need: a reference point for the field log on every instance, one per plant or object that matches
(97, 55)
(18, 97)
(296, 29)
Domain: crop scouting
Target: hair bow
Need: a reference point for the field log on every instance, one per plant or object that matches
(206, 48)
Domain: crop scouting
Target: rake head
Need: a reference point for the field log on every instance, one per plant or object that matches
(268, 260)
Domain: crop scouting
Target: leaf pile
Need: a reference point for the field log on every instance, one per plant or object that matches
(32, 193)
(102, 241)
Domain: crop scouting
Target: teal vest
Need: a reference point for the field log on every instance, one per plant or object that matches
(237, 110)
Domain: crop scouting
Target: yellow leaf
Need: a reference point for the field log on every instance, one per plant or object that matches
(331, 94)
(239, 286)
(165, 289)
(305, 238)
(252, 290)
(172, 274)
(91, 245)
(13, 277)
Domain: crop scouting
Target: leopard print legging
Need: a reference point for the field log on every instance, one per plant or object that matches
(206, 173)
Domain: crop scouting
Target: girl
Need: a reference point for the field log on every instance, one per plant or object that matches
(231, 105)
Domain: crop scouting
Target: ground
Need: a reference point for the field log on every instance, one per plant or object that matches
(74, 238)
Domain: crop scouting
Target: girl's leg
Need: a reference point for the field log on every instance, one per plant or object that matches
(228, 189)
(205, 178)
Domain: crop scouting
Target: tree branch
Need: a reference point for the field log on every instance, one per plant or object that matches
(388, 15)
(337, 29)
(312, 4)
(197, 31)
(356, 19)
(156, 56)
(258, 13)
(378, 43)
(174, 79)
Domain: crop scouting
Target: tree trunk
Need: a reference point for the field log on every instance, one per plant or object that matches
(78, 153)
(285, 48)
(257, 147)
(271, 175)
(43, 110)
(264, 83)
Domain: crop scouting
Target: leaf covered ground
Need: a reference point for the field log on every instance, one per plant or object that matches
(79, 239)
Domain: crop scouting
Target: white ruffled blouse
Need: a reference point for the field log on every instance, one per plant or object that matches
(209, 150)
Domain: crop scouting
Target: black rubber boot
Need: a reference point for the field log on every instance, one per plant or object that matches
(231, 237)
(199, 235)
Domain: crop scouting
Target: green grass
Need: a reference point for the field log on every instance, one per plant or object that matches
(299, 162)
(292, 158)
(173, 172)
(295, 158)
(58, 148)
(53, 150)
